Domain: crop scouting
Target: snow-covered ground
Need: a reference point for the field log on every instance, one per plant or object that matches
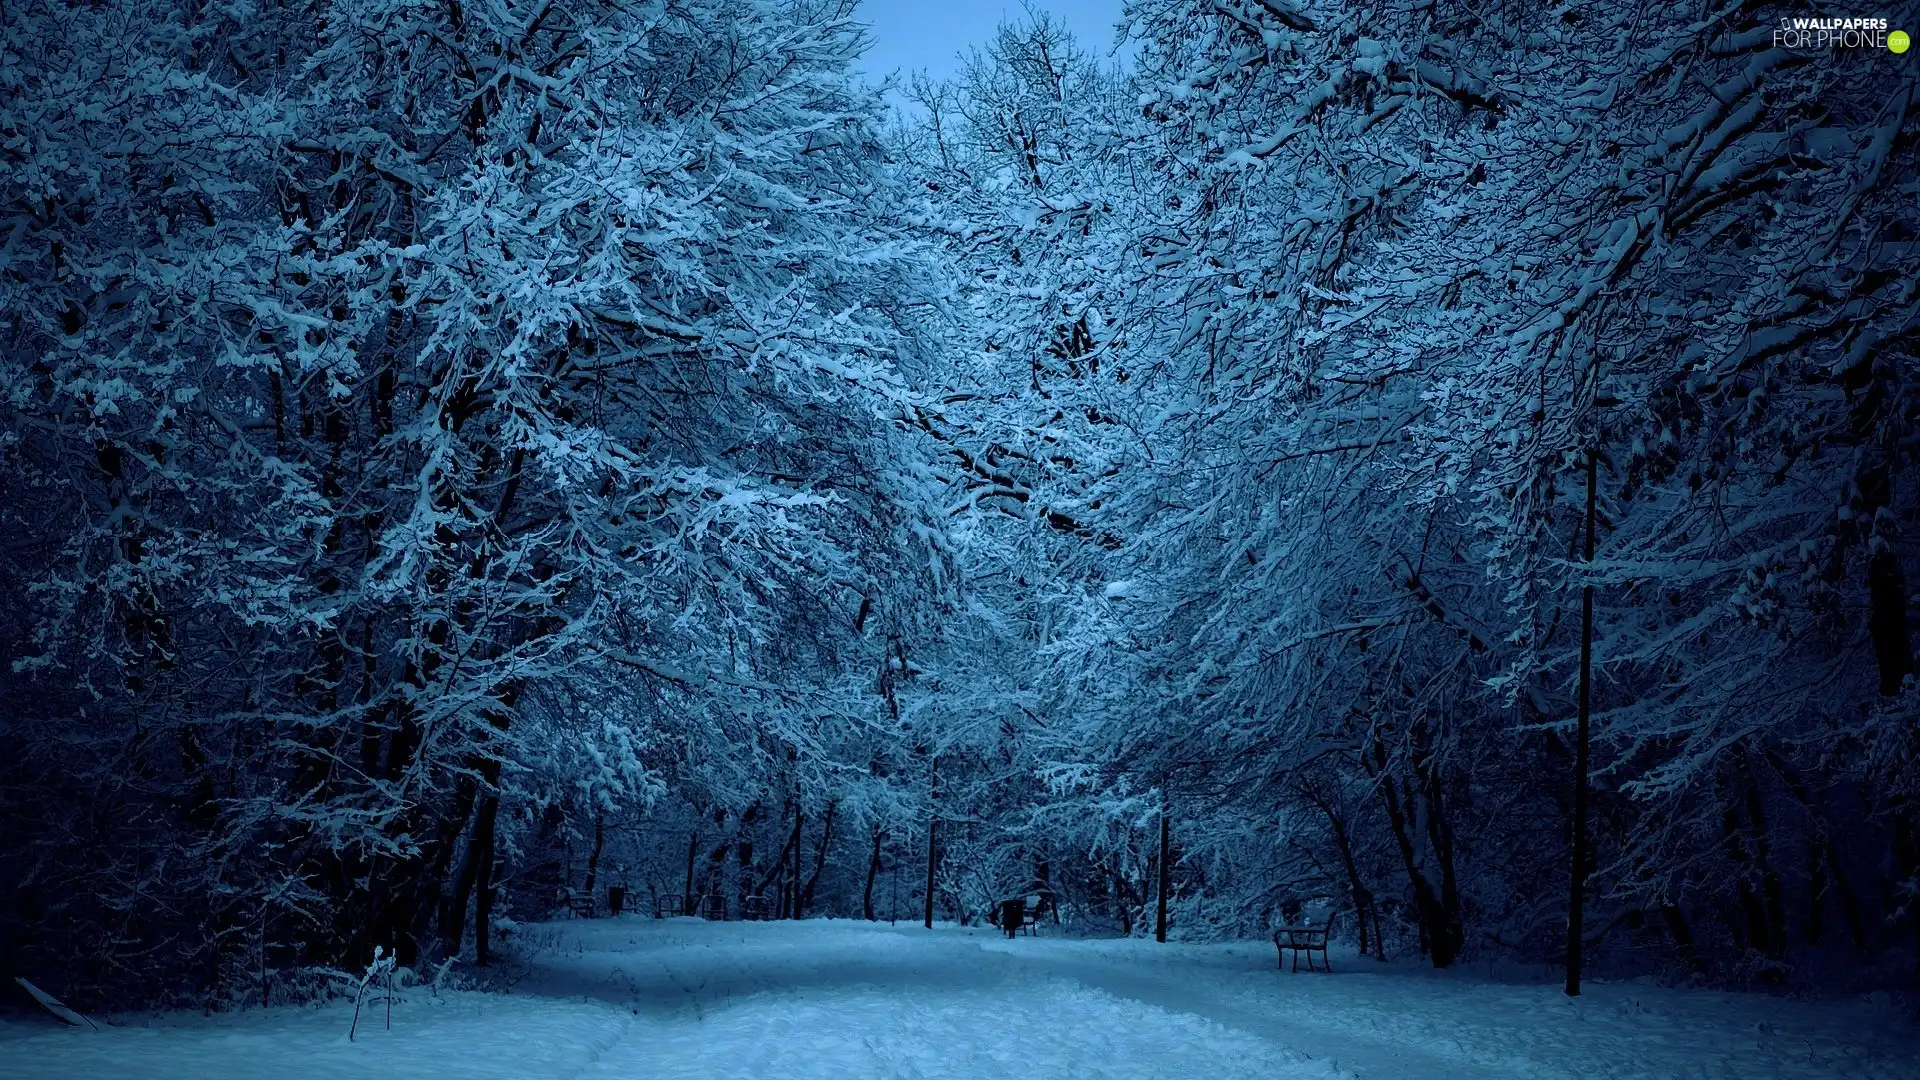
(636, 999)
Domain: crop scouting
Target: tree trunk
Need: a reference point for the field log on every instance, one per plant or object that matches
(873, 871)
(1772, 891)
(933, 830)
(1749, 922)
(1824, 863)
(476, 866)
(793, 883)
(482, 853)
(599, 843)
(819, 859)
(1771, 900)
(716, 866)
(1166, 869)
(1149, 873)
(453, 902)
(1904, 852)
(743, 878)
(1440, 932)
(1887, 620)
(1363, 905)
(1575, 892)
(693, 848)
(1440, 842)
(483, 898)
(774, 874)
(1676, 921)
(933, 848)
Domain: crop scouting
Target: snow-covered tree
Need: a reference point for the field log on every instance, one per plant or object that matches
(386, 372)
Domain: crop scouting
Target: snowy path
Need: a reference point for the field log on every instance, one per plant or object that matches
(639, 1000)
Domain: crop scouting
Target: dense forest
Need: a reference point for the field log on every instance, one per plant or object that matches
(1448, 466)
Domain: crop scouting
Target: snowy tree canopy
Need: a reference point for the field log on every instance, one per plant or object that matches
(1430, 461)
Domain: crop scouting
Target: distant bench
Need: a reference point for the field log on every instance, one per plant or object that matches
(1303, 939)
(1019, 913)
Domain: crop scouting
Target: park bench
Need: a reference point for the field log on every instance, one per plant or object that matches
(580, 903)
(714, 906)
(1030, 912)
(1018, 913)
(756, 908)
(1303, 939)
(668, 907)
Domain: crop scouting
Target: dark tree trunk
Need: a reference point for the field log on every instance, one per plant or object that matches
(873, 871)
(1166, 869)
(1149, 873)
(599, 844)
(933, 858)
(372, 730)
(793, 882)
(452, 917)
(1887, 620)
(686, 897)
(1849, 901)
(819, 859)
(482, 854)
(716, 866)
(1043, 874)
(774, 876)
(1772, 891)
(476, 865)
(1576, 901)
(1122, 900)
(1905, 852)
(1440, 931)
(488, 768)
(1748, 922)
(1676, 920)
(453, 908)
(1440, 841)
(1364, 908)
(1824, 866)
(933, 831)
(743, 853)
